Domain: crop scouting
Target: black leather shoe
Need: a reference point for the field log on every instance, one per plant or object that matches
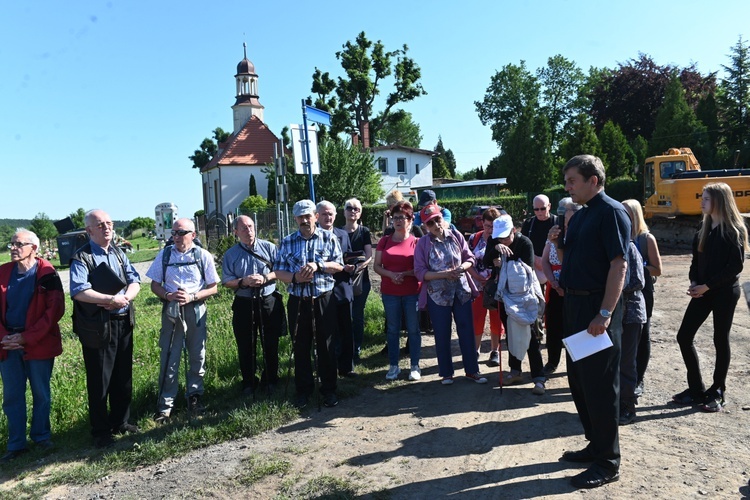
(330, 400)
(104, 441)
(687, 398)
(301, 401)
(126, 428)
(593, 477)
(12, 455)
(579, 456)
(627, 417)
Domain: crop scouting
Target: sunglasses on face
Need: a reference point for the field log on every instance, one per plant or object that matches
(353, 209)
(401, 217)
(539, 209)
(180, 232)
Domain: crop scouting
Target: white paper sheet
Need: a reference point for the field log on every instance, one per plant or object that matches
(583, 344)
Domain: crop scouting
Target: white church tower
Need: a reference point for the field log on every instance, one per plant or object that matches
(247, 103)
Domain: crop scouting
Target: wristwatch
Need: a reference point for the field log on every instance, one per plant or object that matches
(605, 313)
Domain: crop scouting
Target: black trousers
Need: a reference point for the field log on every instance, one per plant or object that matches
(595, 380)
(320, 311)
(258, 319)
(344, 338)
(722, 302)
(536, 365)
(109, 378)
(644, 344)
(554, 324)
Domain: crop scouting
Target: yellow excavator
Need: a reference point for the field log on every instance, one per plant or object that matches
(673, 187)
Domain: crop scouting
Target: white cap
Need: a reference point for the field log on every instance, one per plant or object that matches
(303, 207)
(502, 226)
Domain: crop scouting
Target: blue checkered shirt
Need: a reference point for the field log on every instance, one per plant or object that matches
(295, 252)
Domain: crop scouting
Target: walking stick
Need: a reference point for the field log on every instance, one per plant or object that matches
(293, 345)
(253, 346)
(316, 372)
(262, 344)
(185, 354)
(163, 376)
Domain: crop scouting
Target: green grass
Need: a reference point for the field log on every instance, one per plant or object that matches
(230, 415)
(259, 467)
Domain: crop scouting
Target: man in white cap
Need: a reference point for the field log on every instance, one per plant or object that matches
(307, 261)
(506, 242)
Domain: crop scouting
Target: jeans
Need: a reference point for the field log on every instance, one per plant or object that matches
(631, 335)
(358, 316)
(441, 323)
(395, 306)
(15, 372)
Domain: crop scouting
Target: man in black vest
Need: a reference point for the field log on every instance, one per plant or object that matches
(536, 228)
(107, 335)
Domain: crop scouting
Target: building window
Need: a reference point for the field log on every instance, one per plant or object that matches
(401, 166)
(383, 165)
(416, 168)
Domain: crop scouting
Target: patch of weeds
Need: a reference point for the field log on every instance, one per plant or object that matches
(257, 468)
(324, 487)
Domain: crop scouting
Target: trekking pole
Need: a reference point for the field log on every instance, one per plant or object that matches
(163, 376)
(185, 355)
(261, 331)
(293, 345)
(253, 346)
(316, 372)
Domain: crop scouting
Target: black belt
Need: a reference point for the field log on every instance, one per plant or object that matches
(15, 330)
(308, 298)
(119, 316)
(570, 291)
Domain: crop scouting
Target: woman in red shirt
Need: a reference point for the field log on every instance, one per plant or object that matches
(394, 262)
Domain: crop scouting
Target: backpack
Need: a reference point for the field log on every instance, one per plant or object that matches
(167, 253)
(474, 240)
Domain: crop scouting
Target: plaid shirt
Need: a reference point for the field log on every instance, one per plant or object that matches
(295, 252)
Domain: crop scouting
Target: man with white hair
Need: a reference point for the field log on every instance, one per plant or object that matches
(31, 304)
(183, 276)
(307, 261)
(103, 318)
(536, 229)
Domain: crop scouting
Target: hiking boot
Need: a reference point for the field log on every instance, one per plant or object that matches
(415, 373)
(494, 359)
(393, 372)
(513, 378)
(195, 405)
(477, 377)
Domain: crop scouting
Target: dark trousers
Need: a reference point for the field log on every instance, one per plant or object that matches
(554, 324)
(595, 380)
(644, 344)
(344, 339)
(257, 319)
(318, 310)
(631, 334)
(109, 377)
(536, 365)
(722, 302)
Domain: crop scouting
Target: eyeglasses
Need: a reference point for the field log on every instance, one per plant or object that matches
(180, 232)
(400, 217)
(354, 209)
(539, 209)
(17, 244)
(104, 225)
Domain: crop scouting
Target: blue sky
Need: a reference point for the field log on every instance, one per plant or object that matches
(102, 102)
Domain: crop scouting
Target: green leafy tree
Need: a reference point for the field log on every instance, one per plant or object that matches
(6, 233)
(448, 158)
(579, 137)
(677, 125)
(208, 148)
(366, 65)
(78, 218)
(560, 80)
(440, 168)
(43, 227)
(512, 90)
(251, 204)
(617, 155)
(734, 97)
(400, 129)
(526, 160)
(146, 223)
(345, 171)
(472, 174)
(640, 149)
(252, 189)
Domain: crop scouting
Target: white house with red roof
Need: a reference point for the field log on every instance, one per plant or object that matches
(247, 151)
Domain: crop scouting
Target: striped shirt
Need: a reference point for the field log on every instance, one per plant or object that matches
(295, 252)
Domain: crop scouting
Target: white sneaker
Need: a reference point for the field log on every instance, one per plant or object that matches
(393, 372)
(477, 377)
(415, 373)
(447, 381)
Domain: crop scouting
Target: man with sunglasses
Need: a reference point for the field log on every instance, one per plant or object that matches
(31, 304)
(536, 229)
(103, 318)
(183, 276)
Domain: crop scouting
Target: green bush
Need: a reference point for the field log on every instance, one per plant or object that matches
(624, 188)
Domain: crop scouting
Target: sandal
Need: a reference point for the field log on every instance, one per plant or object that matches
(686, 397)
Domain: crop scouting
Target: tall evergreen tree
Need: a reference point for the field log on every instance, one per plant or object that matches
(252, 188)
(449, 160)
(677, 125)
(526, 160)
(617, 155)
(734, 97)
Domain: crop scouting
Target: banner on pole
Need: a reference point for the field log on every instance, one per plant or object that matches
(298, 148)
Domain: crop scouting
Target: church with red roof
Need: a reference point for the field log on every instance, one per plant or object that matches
(247, 151)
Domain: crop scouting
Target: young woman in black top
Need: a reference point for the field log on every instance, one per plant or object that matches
(718, 254)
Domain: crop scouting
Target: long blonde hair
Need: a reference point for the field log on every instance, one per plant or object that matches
(722, 203)
(638, 223)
